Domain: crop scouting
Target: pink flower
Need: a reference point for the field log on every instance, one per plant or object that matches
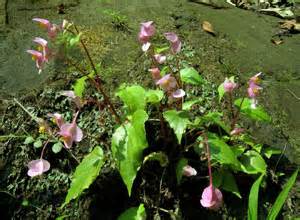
(76, 99)
(237, 131)
(43, 46)
(229, 85)
(160, 58)
(189, 171)
(52, 29)
(255, 79)
(37, 167)
(167, 82)
(70, 132)
(175, 42)
(253, 90)
(155, 72)
(58, 119)
(179, 93)
(147, 30)
(212, 198)
(44, 23)
(39, 59)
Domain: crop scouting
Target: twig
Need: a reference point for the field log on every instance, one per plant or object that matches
(281, 155)
(35, 118)
(293, 94)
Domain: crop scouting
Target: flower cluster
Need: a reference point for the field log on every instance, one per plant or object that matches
(42, 54)
(68, 132)
(167, 82)
(253, 89)
(229, 85)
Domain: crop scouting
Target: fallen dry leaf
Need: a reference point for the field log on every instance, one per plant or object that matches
(206, 26)
(277, 41)
(290, 25)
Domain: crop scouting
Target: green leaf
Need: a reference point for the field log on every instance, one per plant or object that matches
(128, 143)
(134, 213)
(224, 179)
(179, 168)
(154, 96)
(161, 157)
(79, 86)
(221, 152)
(74, 40)
(221, 91)
(134, 98)
(253, 199)
(85, 173)
(229, 183)
(257, 113)
(238, 150)
(268, 152)
(29, 140)
(178, 121)
(38, 143)
(188, 104)
(56, 148)
(161, 49)
(282, 197)
(215, 117)
(25, 202)
(253, 163)
(190, 75)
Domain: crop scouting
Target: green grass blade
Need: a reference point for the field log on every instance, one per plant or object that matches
(282, 197)
(253, 199)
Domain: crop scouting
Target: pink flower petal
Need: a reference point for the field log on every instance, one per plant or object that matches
(58, 119)
(146, 46)
(229, 85)
(147, 30)
(40, 41)
(160, 58)
(172, 37)
(70, 132)
(43, 22)
(69, 93)
(212, 198)
(237, 131)
(176, 47)
(155, 72)
(179, 93)
(189, 171)
(37, 167)
(164, 79)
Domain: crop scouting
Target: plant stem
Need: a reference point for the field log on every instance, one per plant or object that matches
(208, 159)
(235, 118)
(98, 84)
(72, 155)
(44, 148)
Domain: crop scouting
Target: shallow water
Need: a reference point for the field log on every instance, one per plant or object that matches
(242, 43)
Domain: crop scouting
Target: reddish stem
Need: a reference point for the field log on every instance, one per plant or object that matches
(208, 159)
(42, 154)
(98, 84)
